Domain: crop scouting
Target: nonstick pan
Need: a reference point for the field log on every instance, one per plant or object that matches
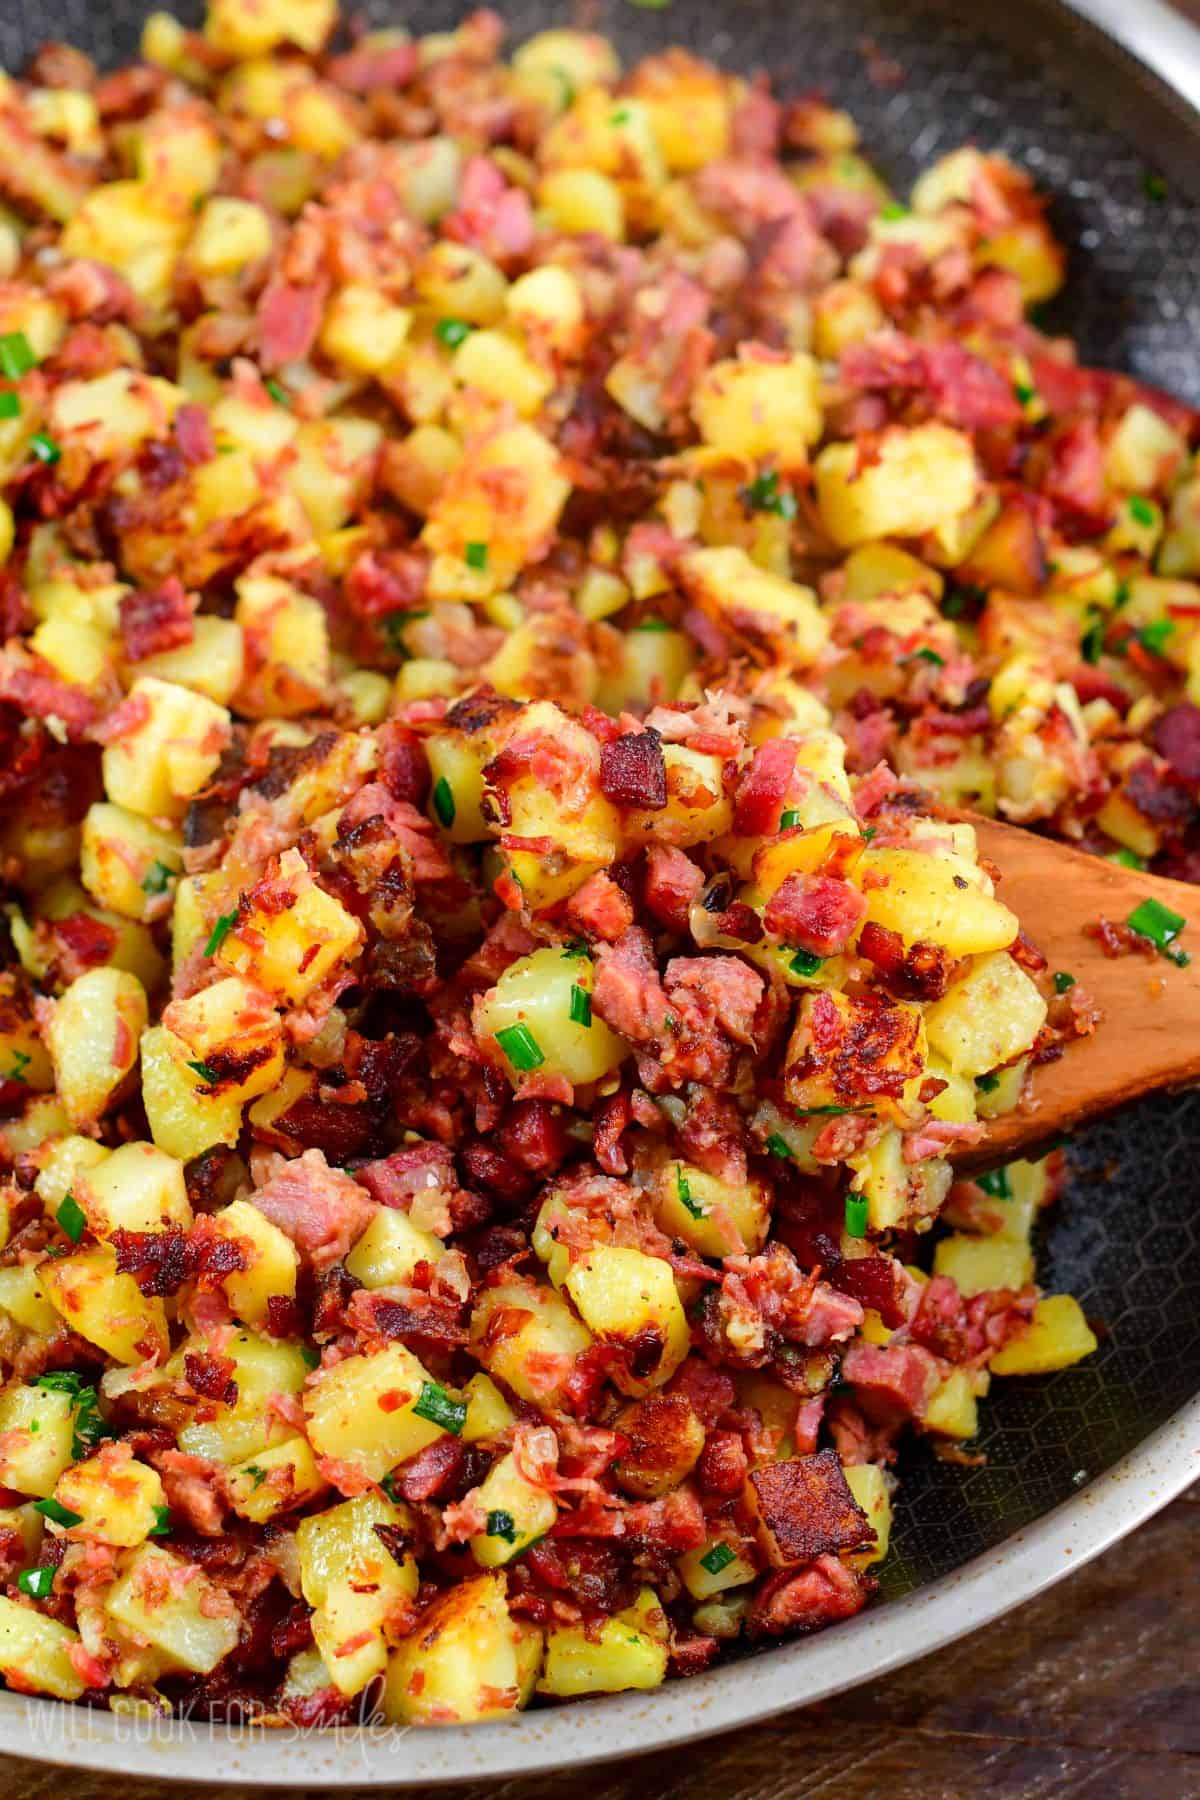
(1075, 1460)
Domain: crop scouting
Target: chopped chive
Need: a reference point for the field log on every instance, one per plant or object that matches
(987, 1084)
(857, 1210)
(443, 802)
(435, 1404)
(622, 116)
(925, 654)
(1142, 511)
(805, 963)
(16, 355)
(477, 556)
(89, 1427)
(581, 1005)
(10, 404)
(651, 5)
(1160, 926)
(521, 1047)
(683, 1188)
(895, 209)
(310, 1357)
(718, 1558)
(1154, 637)
(57, 1513)
(790, 818)
(1154, 187)
(1091, 644)
(779, 1146)
(1122, 595)
(577, 948)
(21, 1061)
(220, 932)
(830, 1112)
(257, 1475)
(162, 1522)
(71, 1218)
(278, 393)
(764, 494)
(1128, 859)
(61, 1381)
(1024, 392)
(44, 448)
(1063, 981)
(452, 332)
(37, 1583)
(388, 1485)
(652, 625)
(207, 1075)
(157, 878)
(869, 831)
(995, 1183)
(502, 1525)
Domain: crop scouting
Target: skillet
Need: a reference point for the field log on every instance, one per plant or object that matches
(1096, 101)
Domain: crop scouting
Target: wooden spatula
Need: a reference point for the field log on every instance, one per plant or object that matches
(1149, 1037)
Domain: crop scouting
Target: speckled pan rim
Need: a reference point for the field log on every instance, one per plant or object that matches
(742, 1693)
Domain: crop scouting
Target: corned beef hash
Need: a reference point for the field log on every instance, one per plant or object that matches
(514, 573)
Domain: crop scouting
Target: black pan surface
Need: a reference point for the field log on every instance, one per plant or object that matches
(1093, 128)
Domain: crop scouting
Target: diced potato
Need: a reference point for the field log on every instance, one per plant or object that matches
(547, 305)
(468, 1659)
(869, 1485)
(989, 1017)
(363, 330)
(212, 664)
(756, 408)
(518, 1513)
(93, 1039)
(136, 228)
(24, 1058)
(117, 1497)
(121, 858)
(546, 998)
(497, 366)
(665, 1440)
(23, 1298)
(928, 899)
(390, 1249)
(488, 1412)
(107, 1308)
(261, 1367)
(290, 953)
(582, 200)
(285, 637)
(173, 1606)
(979, 1263)
(835, 1057)
(629, 1650)
(155, 768)
(234, 1031)
(549, 1338)
(363, 1410)
(35, 1652)
(897, 1191)
(630, 1300)
(1059, 1336)
(246, 28)
(522, 465)
(717, 1218)
(186, 1117)
(137, 1188)
(229, 234)
(919, 478)
(776, 617)
(353, 1582)
(36, 1434)
(271, 1261)
(275, 1480)
(690, 106)
(952, 1409)
(730, 1567)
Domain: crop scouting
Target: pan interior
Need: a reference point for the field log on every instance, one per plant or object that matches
(1091, 126)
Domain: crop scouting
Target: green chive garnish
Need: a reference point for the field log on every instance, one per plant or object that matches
(162, 1522)
(925, 654)
(10, 404)
(502, 1525)
(620, 117)
(435, 1404)
(477, 556)
(207, 1075)
(278, 393)
(652, 625)
(1091, 644)
(21, 1061)
(156, 879)
(443, 802)
(779, 1146)
(452, 332)
(764, 494)
(16, 355)
(683, 1188)
(1157, 923)
(44, 448)
(1155, 188)
(987, 1084)
(220, 932)
(895, 209)
(37, 1583)
(1063, 981)
(995, 1183)
(581, 1005)
(827, 1112)
(1128, 859)
(718, 1558)
(521, 1047)
(577, 948)
(1024, 392)
(1154, 637)
(790, 818)
(857, 1210)
(57, 1513)
(1142, 511)
(805, 963)
(61, 1381)
(71, 1218)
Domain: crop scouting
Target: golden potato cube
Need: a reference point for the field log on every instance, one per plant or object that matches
(261, 1367)
(233, 1029)
(363, 330)
(173, 1606)
(156, 768)
(869, 1485)
(469, 1659)
(135, 227)
(545, 999)
(35, 1652)
(185, 1116)
(952, 1409)
(390, 1249)
(488, 1412)
(777, 617)
(547, 305)
(93, 1039)
(918, 478)
(761, 407)
(107, 1308)
(285, 637)
(121, 859)
(459, 282)
(229, 234)
(271, 1261)
(275, 1480)
(117, 1497)
(730, 1567)
(63, 1163)
(497, 367)
(1059, 1336)
(212, 664)
(717, 1218)
(500, 506)
(629, 1650)
(979, 1263)
(578, 201)
(138, 1188)
(24, 1059)
(364, 1410)
(353, 1582)
(245, 28)
(518, 1513)
(548, 1338)
(23, 1298)
(290, 953)
(989, 1017)
(629, 1299)
(36, 1434)
(930, 899)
